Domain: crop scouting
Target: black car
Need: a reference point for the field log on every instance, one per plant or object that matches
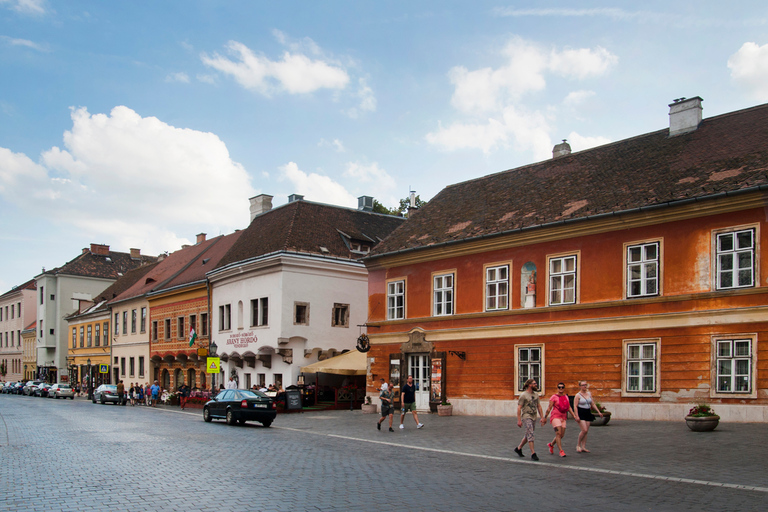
(241, 405)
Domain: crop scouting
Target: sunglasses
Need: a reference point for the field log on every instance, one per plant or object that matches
(560, 387)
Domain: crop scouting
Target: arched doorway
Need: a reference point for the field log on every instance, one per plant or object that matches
(202, 381)
(178, 378)
(165, 379)
(191, 380)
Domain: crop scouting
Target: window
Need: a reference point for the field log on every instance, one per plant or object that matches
(41, 329)
(340, 315)
(143, 319)
(300, 313)
(259, 311)
(117, 321)
(154, 330)
(105, 330)
(132, 367)
(225, 317)
(562, 280)
(193, 323)
(167, 333)
(74, 337)
(42, 296)
(90, 335)
(12, 312)
(264, 302)
(735, 259)
(529, 365)
(641, 367)
(53, 297)
(133, 321)
(141, 366)
(442, 287)
(204, 324)
(96, 336)
(497, 288)
(122, 366)
(643, 270)
(396, 300)
(82, 336)
(734, 365)
(180, 327)
(125, 322)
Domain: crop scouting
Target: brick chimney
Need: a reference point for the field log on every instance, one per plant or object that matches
(561, 149)
(135, 254)
(200, 238)
(260, 204)
(100, 249)
(684, 115)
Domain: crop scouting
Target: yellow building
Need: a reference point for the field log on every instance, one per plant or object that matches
(29, 351)
(88, 345)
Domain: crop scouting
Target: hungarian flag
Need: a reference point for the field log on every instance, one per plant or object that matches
(192, 336)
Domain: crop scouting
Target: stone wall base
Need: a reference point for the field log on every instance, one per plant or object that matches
(735, 413)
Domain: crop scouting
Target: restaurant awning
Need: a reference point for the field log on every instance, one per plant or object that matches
(349, 363)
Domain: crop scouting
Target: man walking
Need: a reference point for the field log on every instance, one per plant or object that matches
(120, 393)
(386, 396)
(527, 407)
(408, 398)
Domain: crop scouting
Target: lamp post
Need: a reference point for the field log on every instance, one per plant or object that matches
(25, 372)
(212, 348)
(90, 381)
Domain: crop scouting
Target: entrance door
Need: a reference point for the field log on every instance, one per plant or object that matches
(418, 366)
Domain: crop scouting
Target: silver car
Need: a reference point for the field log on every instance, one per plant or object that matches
(61, 391)
(108, 393)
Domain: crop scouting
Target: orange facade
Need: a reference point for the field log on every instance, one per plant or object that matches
(662, 337)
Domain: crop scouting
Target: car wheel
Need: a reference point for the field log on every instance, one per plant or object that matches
(267, 423)
(71, 398)
(102, 400)
(93, 399)
(206, 415)
(56, 396)
(230, 418)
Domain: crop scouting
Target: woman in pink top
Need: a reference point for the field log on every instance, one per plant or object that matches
(559, 406)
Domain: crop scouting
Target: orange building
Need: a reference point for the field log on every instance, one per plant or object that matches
(636, 266)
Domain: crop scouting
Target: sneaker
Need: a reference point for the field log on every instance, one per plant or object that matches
(419, 425)
(519, 452)
(562, 453)
(391, 429)
(378, 426)
(534, 456)
(551, 448)
(402, 426)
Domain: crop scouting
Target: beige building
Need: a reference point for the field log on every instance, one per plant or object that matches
(29, 356)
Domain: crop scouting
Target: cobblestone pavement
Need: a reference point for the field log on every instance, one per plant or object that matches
(74, 455)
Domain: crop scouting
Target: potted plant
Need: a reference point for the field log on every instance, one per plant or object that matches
(445, 408)
(598, 421)
(702, 418)
(368, 407)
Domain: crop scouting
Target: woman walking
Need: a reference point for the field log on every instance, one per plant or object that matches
(559, 406)
(584, 406)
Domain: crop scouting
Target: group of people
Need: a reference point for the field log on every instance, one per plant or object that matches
(140, 394)
(407, 400)
(528, 407)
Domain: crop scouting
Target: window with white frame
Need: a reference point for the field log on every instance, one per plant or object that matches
(734, 365)
(643, 270)
(259, 312)
(180, 328)
(529, 363)
(97, 335)
(641, 367)
(562, 280)
(167, 329)
(396, 300)
(117, 324)
(225, 317)
(442, 288)
(497, 288)
(133, 321)
(735, 259)
(125, 322)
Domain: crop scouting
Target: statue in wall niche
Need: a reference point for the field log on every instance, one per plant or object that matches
(528, 285)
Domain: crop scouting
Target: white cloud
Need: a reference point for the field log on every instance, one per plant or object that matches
(177, 77)
(576, 98)
(26, 6)
(24, 42)
(367, 100)
(315, 187)
(749, 69)
(580, 143)
(139, 173)
(336, 144)
(610, 12)
(370, 174)
(295, 73)
(484, 136)
(206, 79)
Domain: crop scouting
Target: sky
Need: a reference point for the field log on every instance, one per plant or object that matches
(141, 124)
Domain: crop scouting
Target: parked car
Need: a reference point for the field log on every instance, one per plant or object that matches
(17, 388)
(60, 390)
(7, 387)
(30, 386)
(241, 405)
(108, 393)
(41, 390)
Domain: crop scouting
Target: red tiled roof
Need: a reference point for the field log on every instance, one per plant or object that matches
(304, 227)
(111, 265)
(727, 153)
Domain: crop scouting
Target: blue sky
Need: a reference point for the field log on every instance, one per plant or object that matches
(140, 124)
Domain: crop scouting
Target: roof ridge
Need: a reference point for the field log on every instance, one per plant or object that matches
(213, 241)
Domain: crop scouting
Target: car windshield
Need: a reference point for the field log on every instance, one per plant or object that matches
(110, 387)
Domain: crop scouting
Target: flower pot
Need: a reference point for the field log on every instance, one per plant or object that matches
(444, 410)
(368, 408)
(702, 423)
(433, 406)
(601, 422)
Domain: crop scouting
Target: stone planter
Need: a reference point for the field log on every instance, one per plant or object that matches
(601, 422)
(444, 410)
(368, 408)
(702, 423)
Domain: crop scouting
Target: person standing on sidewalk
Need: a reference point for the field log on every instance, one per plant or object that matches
(155, 392)
(559, 406)
(387, 409)
(408, 398)
(120, 393)
(527, 407)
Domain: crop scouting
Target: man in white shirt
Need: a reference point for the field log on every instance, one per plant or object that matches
(231, 384)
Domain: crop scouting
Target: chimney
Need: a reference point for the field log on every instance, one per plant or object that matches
(295, 197)
(85, 250)
(201, 238)
(684, 115)
(260, 204)
(135, 254)
(561, 149)
(365, 203)
(100, 249)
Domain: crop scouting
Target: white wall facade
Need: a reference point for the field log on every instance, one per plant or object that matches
(131, 345)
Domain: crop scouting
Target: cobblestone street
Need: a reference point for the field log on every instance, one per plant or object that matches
(65, 455)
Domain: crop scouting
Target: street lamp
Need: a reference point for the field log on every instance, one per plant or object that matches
(25, 372)
(90, 381)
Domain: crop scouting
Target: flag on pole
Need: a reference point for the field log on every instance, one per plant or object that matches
(192, 336)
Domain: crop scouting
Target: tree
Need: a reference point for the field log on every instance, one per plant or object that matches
(399, 211)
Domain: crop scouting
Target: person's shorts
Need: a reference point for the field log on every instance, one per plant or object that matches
(386, 410)
(557, 422)
(585, 414)
(529, 425)
(409, 407)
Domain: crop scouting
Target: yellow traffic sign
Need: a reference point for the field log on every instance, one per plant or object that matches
(103, 368)
(213, 365)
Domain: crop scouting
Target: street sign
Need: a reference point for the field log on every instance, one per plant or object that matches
(213, 365)
(103, 368)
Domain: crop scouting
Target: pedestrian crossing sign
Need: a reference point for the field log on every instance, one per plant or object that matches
(103, 368)
(213, 365)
